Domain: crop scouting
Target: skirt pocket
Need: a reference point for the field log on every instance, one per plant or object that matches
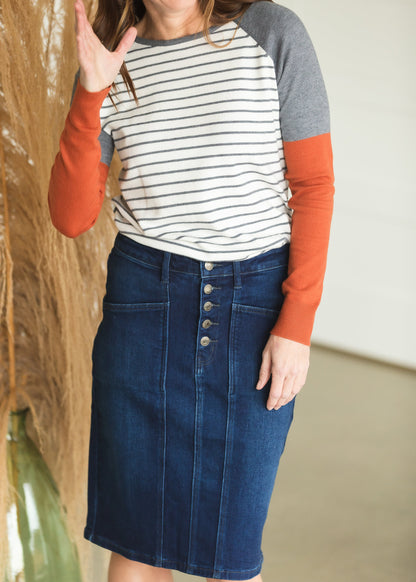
(250, 330)
(129, 348)
(253, 315)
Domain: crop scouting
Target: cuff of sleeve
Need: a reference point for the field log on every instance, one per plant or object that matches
(295, 321)
(85, 108)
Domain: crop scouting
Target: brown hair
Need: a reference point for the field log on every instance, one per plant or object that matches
(114, 17)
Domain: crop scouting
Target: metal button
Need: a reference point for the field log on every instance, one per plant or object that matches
(208, 289)
(209, 266)
(205, 340)
(207, 306)
(206, 323)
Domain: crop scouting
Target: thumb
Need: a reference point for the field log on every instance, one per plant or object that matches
(126, 42)
(265, 370)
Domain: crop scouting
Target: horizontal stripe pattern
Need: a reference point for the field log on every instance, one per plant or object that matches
(203, 169)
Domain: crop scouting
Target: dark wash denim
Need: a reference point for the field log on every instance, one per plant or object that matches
(183, 451)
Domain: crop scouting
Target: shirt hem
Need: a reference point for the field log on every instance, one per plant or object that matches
(200, 255)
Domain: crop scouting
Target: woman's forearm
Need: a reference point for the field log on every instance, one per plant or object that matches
(311, 180)
(77, 183)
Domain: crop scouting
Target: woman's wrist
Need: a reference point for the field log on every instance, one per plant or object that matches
(85, 108)
(91, 86)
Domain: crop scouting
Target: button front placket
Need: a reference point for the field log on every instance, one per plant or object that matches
(213, 366)
(207, 342)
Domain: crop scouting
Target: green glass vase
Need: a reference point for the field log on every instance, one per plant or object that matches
(40, 549)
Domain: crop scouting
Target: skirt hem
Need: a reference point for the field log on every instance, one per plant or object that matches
(186, 568)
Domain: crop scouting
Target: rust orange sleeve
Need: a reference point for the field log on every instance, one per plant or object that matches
(77, 182)
(311, 181)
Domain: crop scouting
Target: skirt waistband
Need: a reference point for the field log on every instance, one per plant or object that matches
(272, 259)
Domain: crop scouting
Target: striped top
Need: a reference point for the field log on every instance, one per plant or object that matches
(202, 154)
(226, 156)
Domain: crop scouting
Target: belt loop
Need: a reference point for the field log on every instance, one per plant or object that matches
(237, 275)
(165, 268)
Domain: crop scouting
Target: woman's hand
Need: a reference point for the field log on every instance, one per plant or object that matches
(98, 66)
(288, 362)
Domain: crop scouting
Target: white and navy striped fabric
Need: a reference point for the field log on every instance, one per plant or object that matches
(202, 153)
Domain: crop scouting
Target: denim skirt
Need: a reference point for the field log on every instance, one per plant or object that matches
(183, 452)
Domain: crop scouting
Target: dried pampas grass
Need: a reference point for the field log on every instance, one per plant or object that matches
(58, 282)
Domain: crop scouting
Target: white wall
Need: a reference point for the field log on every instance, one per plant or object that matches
(367, 54)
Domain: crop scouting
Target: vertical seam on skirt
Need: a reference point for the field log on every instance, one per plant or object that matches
(228, 438)
(195, 475)
(195, 452)
(165, 351)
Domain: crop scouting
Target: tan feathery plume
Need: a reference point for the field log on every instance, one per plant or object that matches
(58, 283)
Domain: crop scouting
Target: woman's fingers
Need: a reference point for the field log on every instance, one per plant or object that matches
(98, 66)
(287, 392)
(80, 17)
(88, 36)
(288, 363)
(126, 42)
(84, 35)
(85, 32)
(276, 387)
(265, 370)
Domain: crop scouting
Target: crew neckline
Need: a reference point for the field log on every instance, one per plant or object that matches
(188, 37)
(179, 39)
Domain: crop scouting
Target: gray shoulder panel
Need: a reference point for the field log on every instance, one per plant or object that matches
(304, 110)
(106, 141)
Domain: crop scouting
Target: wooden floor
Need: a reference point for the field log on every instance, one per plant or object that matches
(344, 503)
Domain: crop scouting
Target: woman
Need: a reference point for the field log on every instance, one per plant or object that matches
(214, 277)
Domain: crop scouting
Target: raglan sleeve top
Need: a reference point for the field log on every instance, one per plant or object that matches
(79, 174)
(305, 125)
